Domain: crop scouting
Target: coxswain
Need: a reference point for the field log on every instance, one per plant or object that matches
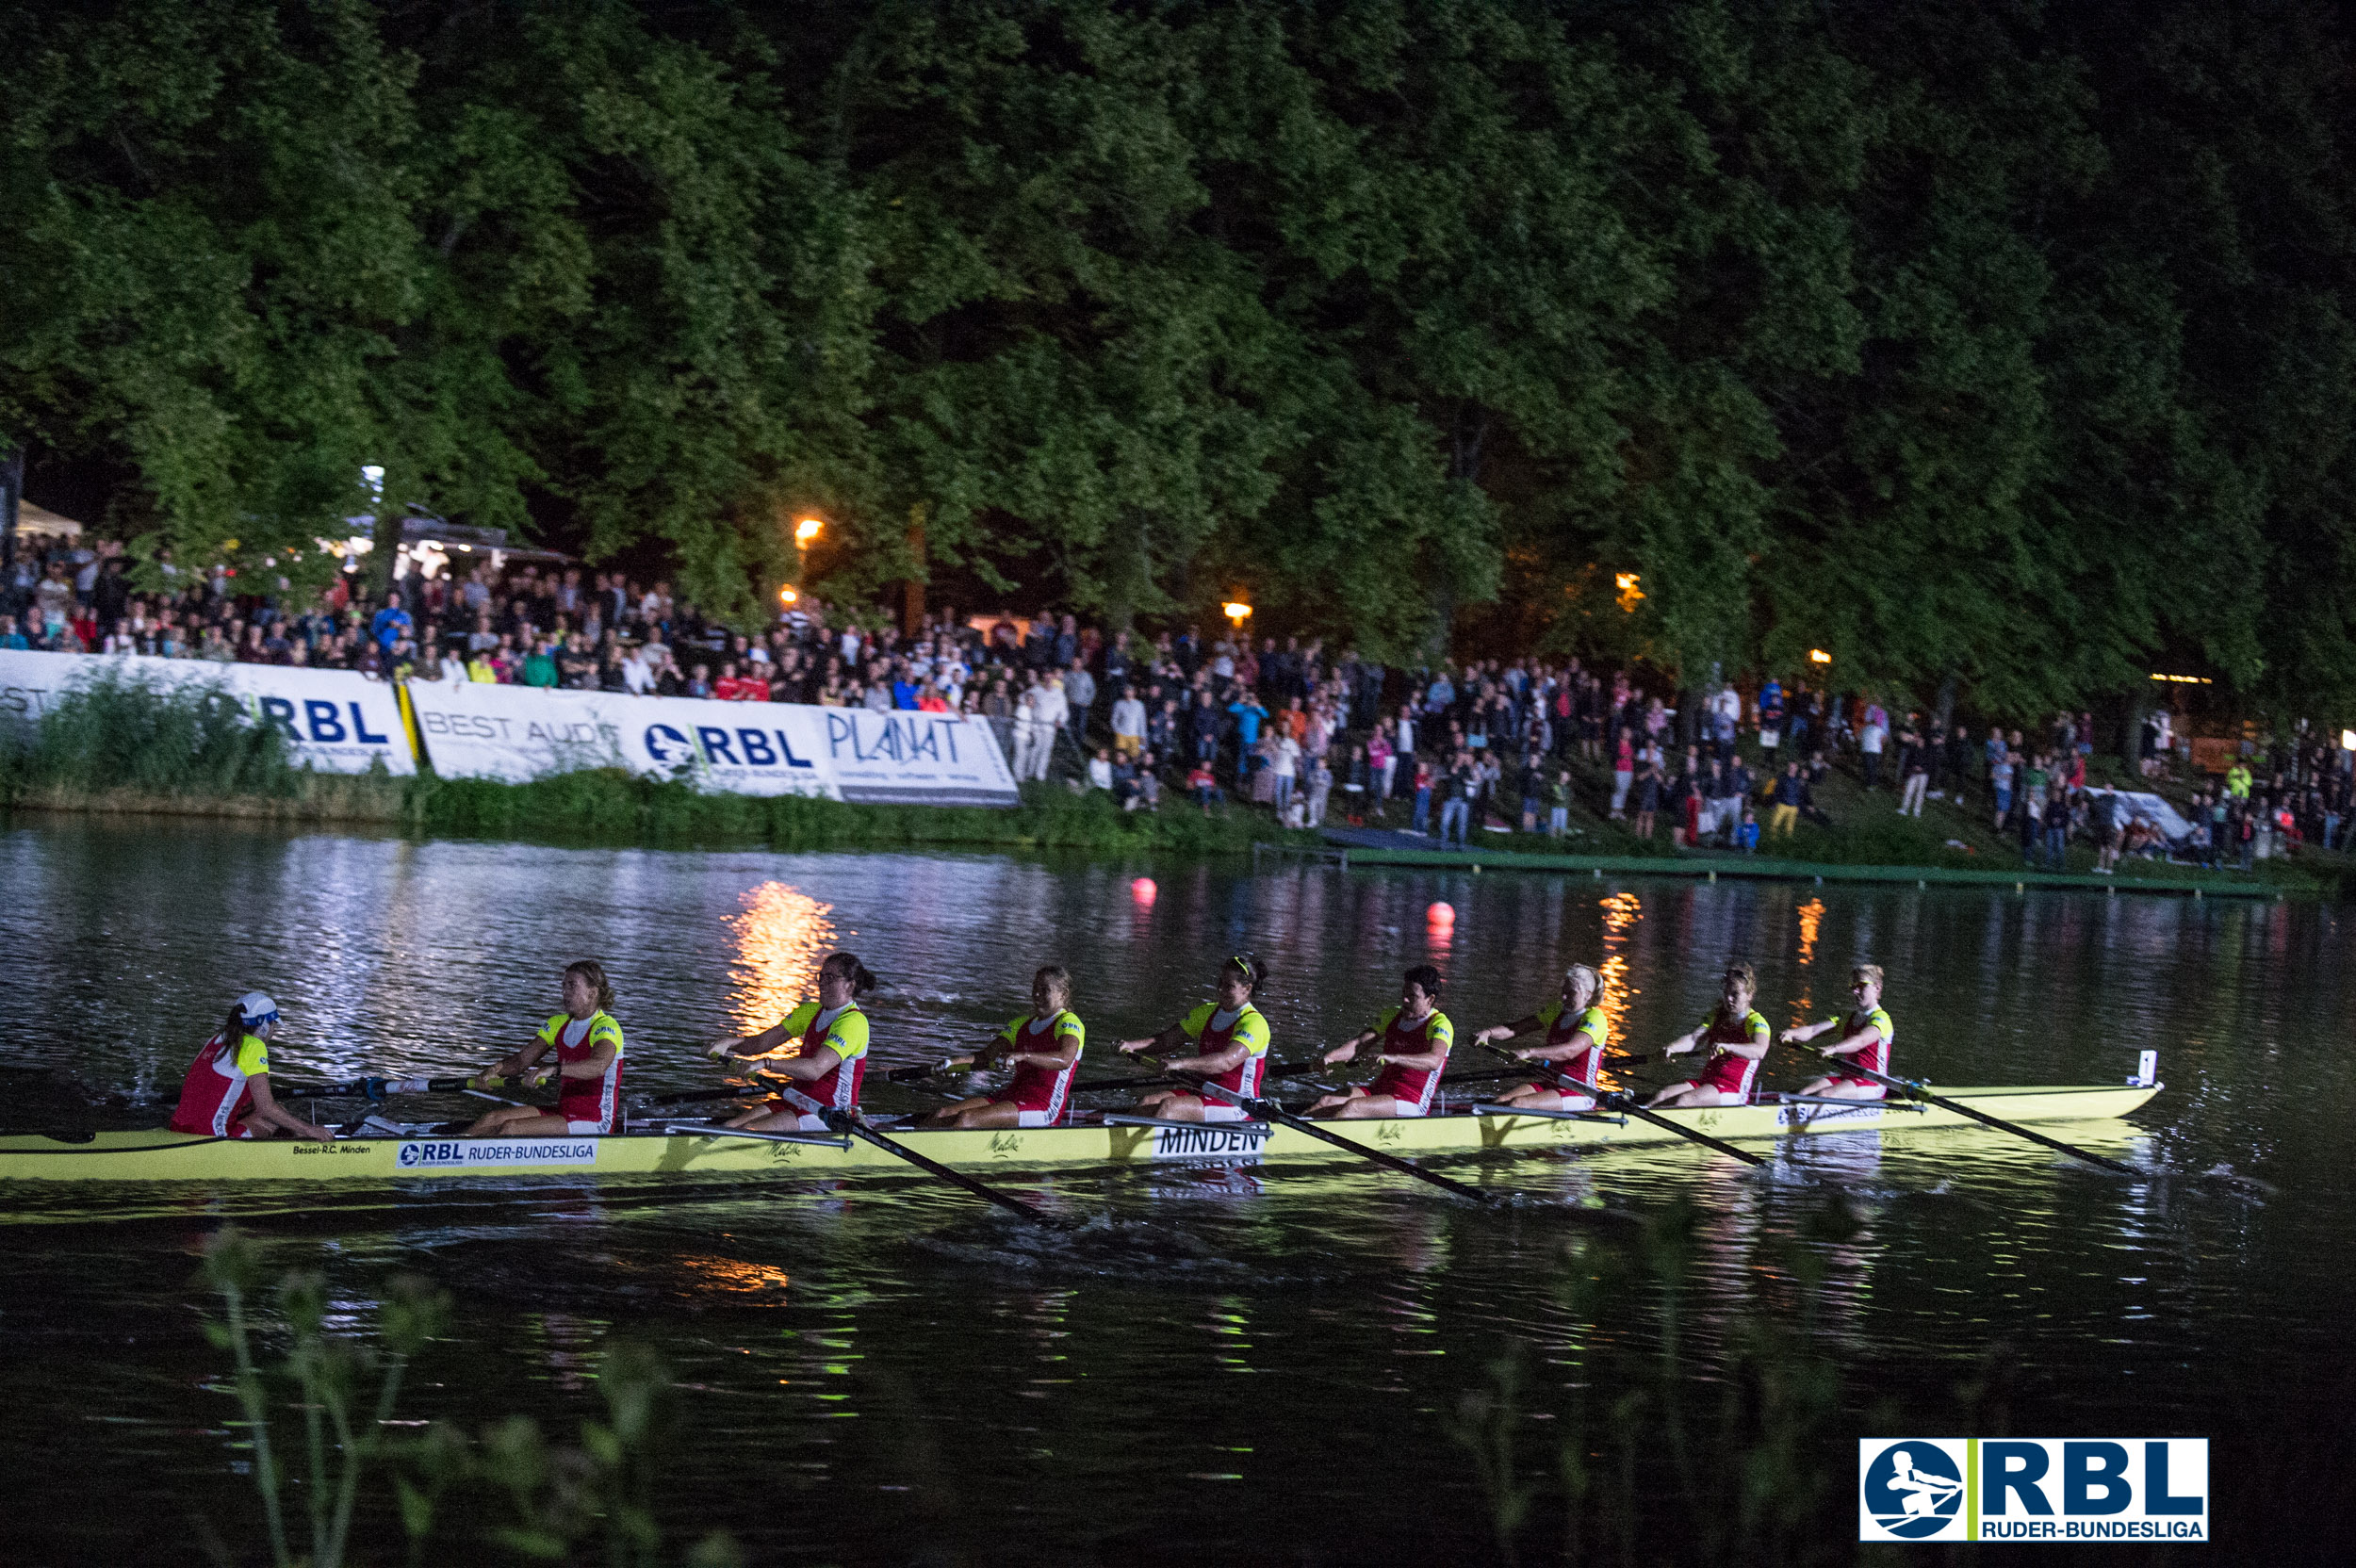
(1866, 1036)
(1576, 1030)
(587, 1070)
(1738, 1038)
(821, 1045)
(1042, 1046)
(226, 1092)
(1229, 1039)
(1415, 1037)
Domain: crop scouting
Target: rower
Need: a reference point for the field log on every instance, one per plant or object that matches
(1576, 1030)
(1866, 1036)
(226, 1093)
(1415, 1037)
(1738, 1038)
(1229, 1039)
(821, 1045)
(587, 1070)
(1043, 1046)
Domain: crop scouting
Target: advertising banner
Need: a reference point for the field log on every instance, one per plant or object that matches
(338, 720)
(756, 748)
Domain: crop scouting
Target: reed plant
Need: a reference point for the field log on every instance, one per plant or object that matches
(549, 1501)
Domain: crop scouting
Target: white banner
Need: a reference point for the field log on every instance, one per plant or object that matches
(338, 721)
(754, 749)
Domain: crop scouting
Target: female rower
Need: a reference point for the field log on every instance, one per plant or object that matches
(226, 1092)
(1415, 1037)
(1866, 1036)
(1576, 1030)
(1043, 1048)
(821, 1045)
(587, 1070)
(1738, 1039)
(1229, 1039)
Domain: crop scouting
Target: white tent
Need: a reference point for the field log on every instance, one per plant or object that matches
(38, 520)
(2151, 808)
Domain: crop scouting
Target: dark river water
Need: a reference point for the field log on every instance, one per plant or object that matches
(1316, 1365)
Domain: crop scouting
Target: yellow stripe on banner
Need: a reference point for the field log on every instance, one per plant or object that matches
(409, 722)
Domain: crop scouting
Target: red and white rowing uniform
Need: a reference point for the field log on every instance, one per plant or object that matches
(216, 1093)
(1038, 1094)
(587, 1104)
(1876, 1056)
(1246, 1028)
(1563, 1026)
(844, 1032)
(1411, 1088)
(1730, 1073)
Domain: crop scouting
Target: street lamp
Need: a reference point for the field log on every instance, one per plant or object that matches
(1818, 656)
(807, 530)
(1236, 611)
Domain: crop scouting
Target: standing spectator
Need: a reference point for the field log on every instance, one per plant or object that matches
(1461, 783)
(1079, 691)
(2001, 763)
(1914, 768)
(1622, 772)
(1870, 739)
(1320, 788)
(1381, 763)
(1420, 823)
(1770, 716)
(1128, 723)
(1284, 761)
(391, 623)
(1791, 794)
(1054, 716)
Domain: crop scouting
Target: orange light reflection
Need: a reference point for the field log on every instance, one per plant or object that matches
(1811, 920)
(1621, 911)
(782, 937)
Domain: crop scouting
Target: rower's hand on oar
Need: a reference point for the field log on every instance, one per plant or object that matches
(1130, 1048)
(1346, 1051)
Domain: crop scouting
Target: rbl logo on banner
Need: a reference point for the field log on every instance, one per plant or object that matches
(2084, 1489)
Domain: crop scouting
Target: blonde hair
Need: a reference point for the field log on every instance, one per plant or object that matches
(1867, 972)
(1057, 980)
(1584, 975)
(1743, 972)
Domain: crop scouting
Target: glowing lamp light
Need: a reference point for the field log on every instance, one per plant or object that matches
(808, 529)
(1818, 656)
(787, 595)
(1629, 594)
(2184, 680)
(2347, 740)
(1143, 890)
(1236, 610)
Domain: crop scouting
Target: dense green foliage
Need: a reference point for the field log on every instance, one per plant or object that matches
(2004, 344)
(113, 733)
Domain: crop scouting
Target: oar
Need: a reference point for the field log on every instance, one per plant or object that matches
(698, 1097)
(848, 1121)
(377, 1088)
(1626, 1103)
(1916, 1091)
(1275, 1112)
(917, 1074)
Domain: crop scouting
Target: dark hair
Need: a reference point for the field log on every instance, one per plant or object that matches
(593, 972)
(235, 1030)
(1253, 971)
(847, 966)
(1426, 979)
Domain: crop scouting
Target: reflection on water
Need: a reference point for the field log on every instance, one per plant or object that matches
(1621, 911)
(782, 936)
(888, 1342)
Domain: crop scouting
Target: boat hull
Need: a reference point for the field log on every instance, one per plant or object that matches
(175, 1157)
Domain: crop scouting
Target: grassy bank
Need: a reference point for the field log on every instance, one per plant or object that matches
(119, 747)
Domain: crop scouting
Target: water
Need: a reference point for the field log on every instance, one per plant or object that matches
(1266, 1365)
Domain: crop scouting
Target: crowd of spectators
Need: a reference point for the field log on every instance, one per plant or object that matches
(1490, 744)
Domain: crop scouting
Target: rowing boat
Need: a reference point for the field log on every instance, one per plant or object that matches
(167, 1156)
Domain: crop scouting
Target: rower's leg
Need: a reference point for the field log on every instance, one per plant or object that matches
(984, 1113)
(497, 1117)
(1174, 1106)
(1822, 1086)
(947, 1115)
(1849, 1088)
(1363, 1106)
